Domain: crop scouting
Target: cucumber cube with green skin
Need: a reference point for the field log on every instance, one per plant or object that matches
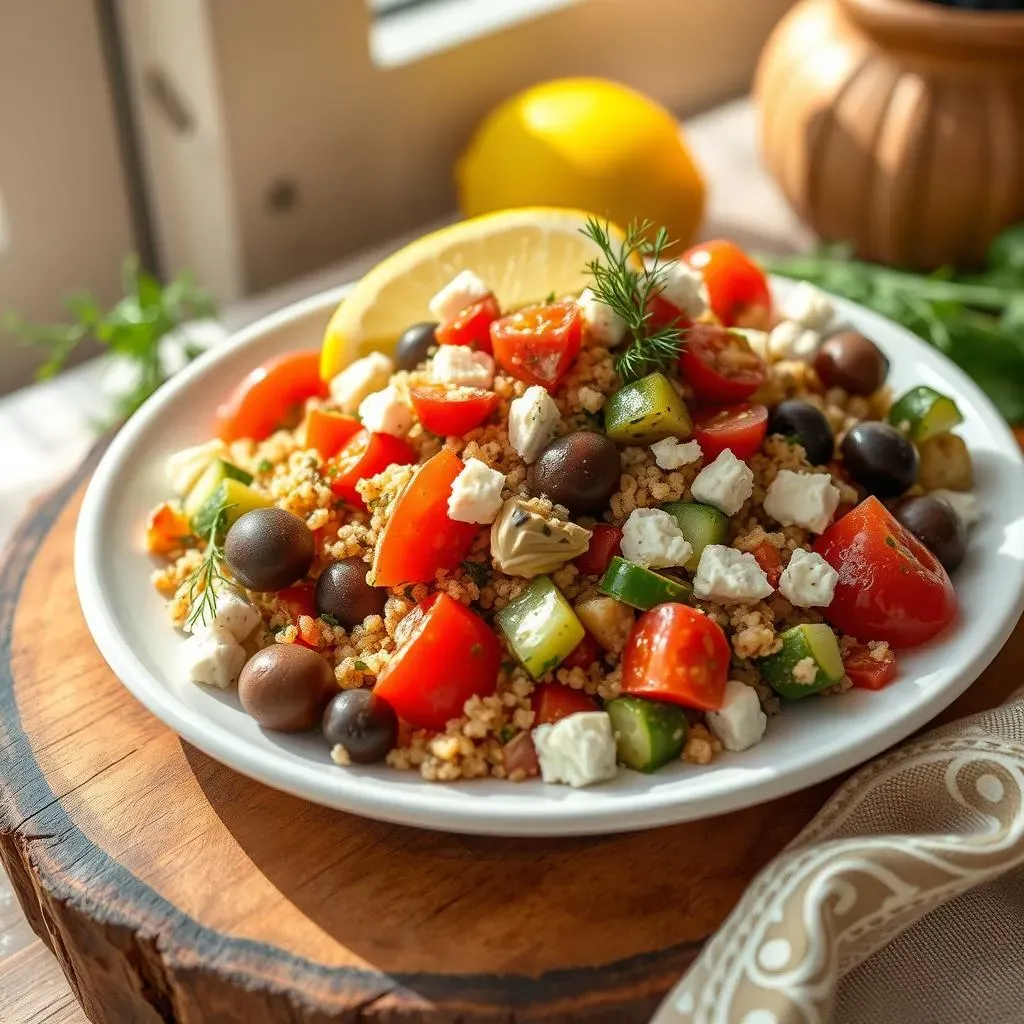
(235, 497)
(789, 672)
(648, 733)
(648, 410)
(540, 627)
(640, 587)
(218, 471)
(701, 525)
(923, 413)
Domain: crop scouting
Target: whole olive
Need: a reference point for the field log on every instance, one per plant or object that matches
(879, 458)
(363, 723)
(579, 471)
(936, 526)
(285, 687)
(342, 591)
(269, 549)
(414, 344)
(808, 425)
(852, 362)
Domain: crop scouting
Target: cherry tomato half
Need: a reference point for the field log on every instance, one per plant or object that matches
(719, 365)
(329, 432)
(552, 701)
(449, 655)
(269, 396)
(768, 557)
(866, 671)
(661, 313)
(741, 428)
(737, 286)
(447, 411)
(472, 326)
(605, 543)
(677, 654)
(891, 587)
(364, 456)
(538, 344)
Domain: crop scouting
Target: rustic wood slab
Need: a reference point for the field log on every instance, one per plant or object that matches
(171, 889)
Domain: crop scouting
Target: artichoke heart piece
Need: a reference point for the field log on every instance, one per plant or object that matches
(526, 543)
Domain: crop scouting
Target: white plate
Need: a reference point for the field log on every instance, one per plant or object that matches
(809, 742)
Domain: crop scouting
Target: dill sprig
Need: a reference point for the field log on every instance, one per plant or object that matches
(202, 590)
(627, 289)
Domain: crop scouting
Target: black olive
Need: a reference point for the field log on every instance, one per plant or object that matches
(414, 344)
(879, 458)
(269, 549)
(808, 425)
(286, 687)
(363, 723)
(580, 471)
(342, 591)
(936, 526)
(852, 362)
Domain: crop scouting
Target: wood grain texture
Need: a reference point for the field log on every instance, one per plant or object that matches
(171, 889)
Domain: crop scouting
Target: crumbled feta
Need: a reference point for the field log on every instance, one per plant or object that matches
(671, 453)
(385, 412)
(360, 379)
(184, 468)
(790, 340)
(476, 493)
(726, 483)
(652, 538)
(683, 287)
(725, 574)
(802, 499)
(235, 613)
(805, 671)
(808, 581)
(576, 750)
(532, 419)
(600, 321)
(809, 306)
(212, 656)
(459, 365)
(739, 723)
(963, 503)
(461, 291)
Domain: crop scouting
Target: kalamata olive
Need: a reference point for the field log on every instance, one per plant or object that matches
(286, 687)
(363, 723)
(808, 425)
(579, 471)
(342, 591)
(879, 458)
(413, 345)
(269, 549)
(852, 362)
(936, 526)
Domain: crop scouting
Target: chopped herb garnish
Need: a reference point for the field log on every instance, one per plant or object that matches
(329, 619)
(202, 584)
(478, 572)
(506, 733)
(264, 466)
(361, 666)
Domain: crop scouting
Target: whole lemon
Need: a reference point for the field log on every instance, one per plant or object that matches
(586, 143)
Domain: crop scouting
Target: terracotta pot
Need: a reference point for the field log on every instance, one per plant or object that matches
(897, 125)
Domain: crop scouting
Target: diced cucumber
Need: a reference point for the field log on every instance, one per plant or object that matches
(648, 733)
(700, 524)
(641, 588)
(239, 497)
(923, 412)
(788, 671)
(218, 471)
(540, 626)
(646, 411)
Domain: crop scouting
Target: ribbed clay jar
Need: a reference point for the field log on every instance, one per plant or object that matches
(897, 125)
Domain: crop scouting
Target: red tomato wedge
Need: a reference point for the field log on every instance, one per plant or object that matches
(364, 456)
(866, 671)
(538, 344)
(270, 396)
(720, 366)
(605, 543)
(299, 600)
(677, 654)
(741, 428)
(586, 653)
(770, 560)
(329, 432)
(449, 655)
(472, 326)
(891, 587)
(448, 411)
(552, 701)
(419, 538)
(737, 286)
(167, 530)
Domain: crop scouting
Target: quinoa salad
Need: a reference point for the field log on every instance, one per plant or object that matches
(610, 531)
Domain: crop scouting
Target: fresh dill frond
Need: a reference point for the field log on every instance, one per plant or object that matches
(202, 589)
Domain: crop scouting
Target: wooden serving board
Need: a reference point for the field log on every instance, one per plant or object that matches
(172, 889)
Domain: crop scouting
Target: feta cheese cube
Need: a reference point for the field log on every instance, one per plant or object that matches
(809, 306)
(600, 321)
(808, 581)
(461, 291)
(671, 453)
(385, 412)
(683, 287)
(791, 340)
(235, 613)
(652, 538)
(532, 419)
(802, 499)
(360, 379)
(576, 750)
(460, 366)
(726, 483)
(476, 493)
(739, 723)
(727, 575)
(184, 468)
(212, 657)
(963, 503)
